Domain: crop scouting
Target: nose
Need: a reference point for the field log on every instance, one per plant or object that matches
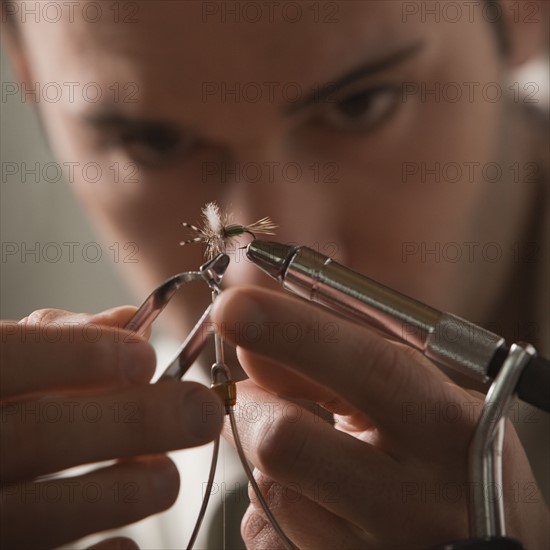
(267, 180)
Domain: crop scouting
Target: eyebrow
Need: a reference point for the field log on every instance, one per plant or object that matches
(111, 118)
(368, 69)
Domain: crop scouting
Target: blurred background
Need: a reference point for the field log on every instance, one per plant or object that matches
(38, 219)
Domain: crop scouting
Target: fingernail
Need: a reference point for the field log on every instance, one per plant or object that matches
(202, 414)
(115, 313)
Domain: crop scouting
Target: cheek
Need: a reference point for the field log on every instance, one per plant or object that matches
(424, 181)
(129, 199)
(138, 212)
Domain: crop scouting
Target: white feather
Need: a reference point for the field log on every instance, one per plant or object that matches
(213, 232)
(213, 217)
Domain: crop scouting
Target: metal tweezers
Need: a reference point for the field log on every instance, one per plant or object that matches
(212, 273)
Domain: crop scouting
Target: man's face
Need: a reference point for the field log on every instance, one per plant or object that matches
(317, 114)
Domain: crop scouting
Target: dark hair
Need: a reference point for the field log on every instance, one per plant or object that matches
(494, 15)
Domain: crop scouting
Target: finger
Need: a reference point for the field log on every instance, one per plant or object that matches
(365, 370)
(106, 498)
(366, 486)
(294, 447)
(282, 381)
(279, 379)
(258, 533)
(117, 543)
(119, 317)
(114, 317)
(65, 354)
(56, 433)
(305, 522)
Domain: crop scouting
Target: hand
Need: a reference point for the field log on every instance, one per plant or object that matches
(392, 471)
(75, 390)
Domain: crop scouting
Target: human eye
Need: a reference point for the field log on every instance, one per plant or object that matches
(359, 111)
(148, 145)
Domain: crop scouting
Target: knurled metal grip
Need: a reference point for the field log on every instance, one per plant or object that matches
(461, 345)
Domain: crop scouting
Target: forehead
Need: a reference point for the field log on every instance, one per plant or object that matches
(179, 51)
(213, 38)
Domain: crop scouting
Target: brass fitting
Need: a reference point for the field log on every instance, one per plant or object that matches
(227, 391)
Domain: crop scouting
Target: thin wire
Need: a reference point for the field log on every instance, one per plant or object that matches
(218, 338)
(220, 364)
(224, 519)
(206, 497)
(220, 360)
(286, 541)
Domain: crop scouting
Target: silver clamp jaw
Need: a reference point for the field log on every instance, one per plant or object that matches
(485, 453)
(211, 273)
